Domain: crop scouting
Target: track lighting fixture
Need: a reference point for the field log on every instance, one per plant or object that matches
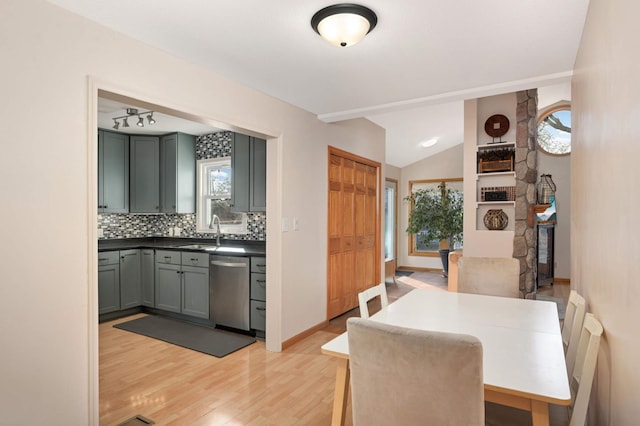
(130, 113)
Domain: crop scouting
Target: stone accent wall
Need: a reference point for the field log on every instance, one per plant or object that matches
(524, 244)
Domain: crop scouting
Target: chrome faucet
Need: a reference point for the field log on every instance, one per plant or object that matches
(214, 219)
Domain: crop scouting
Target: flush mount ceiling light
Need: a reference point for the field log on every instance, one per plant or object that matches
(428, 143)
(130, 113)
(344, 24)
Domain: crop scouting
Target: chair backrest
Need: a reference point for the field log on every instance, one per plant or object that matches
(493, 276)
(572, 327)
(402, 376)
(370, 293)
(582, 376)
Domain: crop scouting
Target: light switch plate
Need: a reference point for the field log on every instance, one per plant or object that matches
(285, 224)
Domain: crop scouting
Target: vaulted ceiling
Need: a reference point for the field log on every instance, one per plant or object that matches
(409, 75)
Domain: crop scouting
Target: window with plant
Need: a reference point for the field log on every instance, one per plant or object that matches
(435, 216)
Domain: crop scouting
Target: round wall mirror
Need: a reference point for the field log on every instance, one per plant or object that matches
(554, 130)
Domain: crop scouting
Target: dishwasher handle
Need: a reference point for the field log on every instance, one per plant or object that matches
(229, 264)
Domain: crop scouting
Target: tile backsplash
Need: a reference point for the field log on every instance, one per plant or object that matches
(135, 225)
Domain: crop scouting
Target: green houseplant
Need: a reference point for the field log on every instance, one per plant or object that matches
(437, 213)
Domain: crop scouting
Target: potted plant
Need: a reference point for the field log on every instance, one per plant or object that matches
(438, 214)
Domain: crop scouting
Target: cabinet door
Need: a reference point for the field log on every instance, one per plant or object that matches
(178, 173)
(258, 170)
(145, 174)
(195, 291)
(147, 277)
(108, 288)
(130, 285)
(168, 279)
(113, 172)
(240, 152)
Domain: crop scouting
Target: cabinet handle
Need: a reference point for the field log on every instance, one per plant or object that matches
(102, 259)
(193, 260)
(260, 308)
(167, 258)
(178, 272)
(261, 266)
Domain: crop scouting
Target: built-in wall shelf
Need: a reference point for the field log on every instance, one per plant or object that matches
(495, 203)
(496, 145)
(479, 175)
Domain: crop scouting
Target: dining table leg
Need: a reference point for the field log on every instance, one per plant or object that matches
(539, 413)
(341, 393)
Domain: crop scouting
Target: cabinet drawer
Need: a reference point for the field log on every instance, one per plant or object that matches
(259, 287)
(108, 257)
(258, 315)
(167, 256)
(190, 258)
(259, 264)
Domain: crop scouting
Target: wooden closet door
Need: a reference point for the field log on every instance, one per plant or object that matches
(353, 231)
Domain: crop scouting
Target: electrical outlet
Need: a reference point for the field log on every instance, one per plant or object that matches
(100, 233)
(285, 224)
(176, 231)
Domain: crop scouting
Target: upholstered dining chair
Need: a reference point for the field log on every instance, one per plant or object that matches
(379, 290)
(572, 326)
(493, 276)
(580, 382)
(408, 377)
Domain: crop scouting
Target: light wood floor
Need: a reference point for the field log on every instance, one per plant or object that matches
(175, 386)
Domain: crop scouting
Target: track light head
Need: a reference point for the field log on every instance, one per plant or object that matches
(125, 123)
(140, 122)
(150, 119)
(116, 124)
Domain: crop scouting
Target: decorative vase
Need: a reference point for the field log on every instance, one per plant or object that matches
(496, 220)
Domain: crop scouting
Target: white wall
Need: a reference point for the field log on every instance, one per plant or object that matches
(446, 164)
(53, 64)
(605, 200)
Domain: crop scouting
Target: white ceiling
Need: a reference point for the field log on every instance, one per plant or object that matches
(409, 75)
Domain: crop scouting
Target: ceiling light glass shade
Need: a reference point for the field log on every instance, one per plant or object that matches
(116, 124)
(150, 119)
(125, 123)
(140, 122)
(428, 143)
(344, 24)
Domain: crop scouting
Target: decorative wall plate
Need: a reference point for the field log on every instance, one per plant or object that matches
(496, 126)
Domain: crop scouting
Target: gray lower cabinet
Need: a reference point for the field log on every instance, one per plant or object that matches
(147, 277)
(108, 282)
(258, 294)
(130, 285)
(118, 280)
(182, 282)
(113, 172)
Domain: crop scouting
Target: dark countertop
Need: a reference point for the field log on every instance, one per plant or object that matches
(251, 248)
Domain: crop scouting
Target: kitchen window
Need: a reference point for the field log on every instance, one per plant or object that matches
(214, 198)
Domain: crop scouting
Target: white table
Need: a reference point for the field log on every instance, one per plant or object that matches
(523, 358)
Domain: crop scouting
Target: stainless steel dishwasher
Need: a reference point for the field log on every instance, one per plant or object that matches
(229, 291)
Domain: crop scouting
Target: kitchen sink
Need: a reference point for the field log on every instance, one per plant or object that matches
(209, 247)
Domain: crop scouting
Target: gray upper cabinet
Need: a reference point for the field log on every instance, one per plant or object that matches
(145, 175)
(113, 172)
(249, 170)
(258, 187)
(178, 173)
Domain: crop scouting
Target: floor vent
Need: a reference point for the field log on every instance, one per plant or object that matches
(137, 421)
